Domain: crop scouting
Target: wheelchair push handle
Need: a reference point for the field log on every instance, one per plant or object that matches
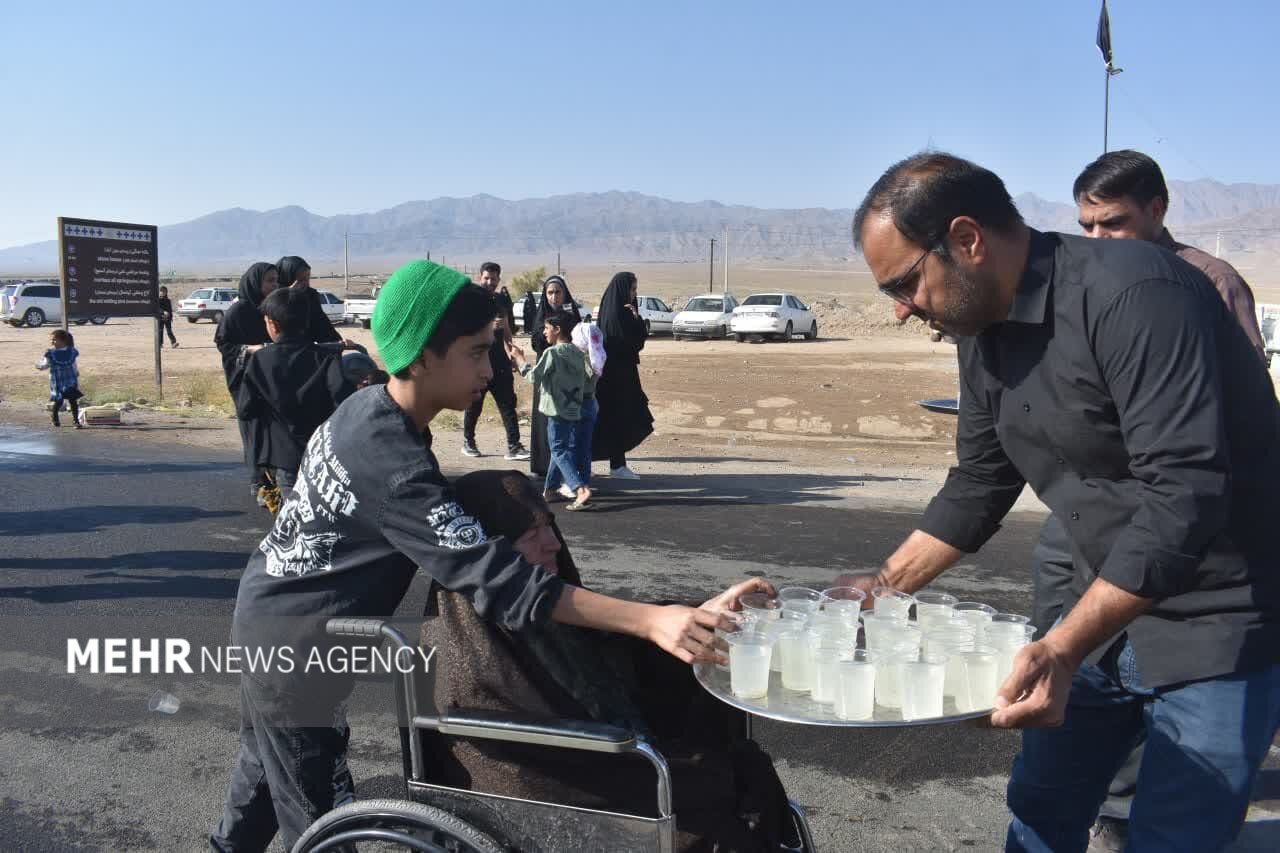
(371, 628)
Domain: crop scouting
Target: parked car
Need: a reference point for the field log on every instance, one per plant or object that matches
(207, 303)
(34, 303)
(359, 310)
(778, 315)
(334, 308)
(1271, 336)
(657, 315)
(705, 316)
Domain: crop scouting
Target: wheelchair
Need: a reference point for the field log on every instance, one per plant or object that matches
(440, 819)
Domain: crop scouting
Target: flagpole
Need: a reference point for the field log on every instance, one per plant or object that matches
(1106, 108)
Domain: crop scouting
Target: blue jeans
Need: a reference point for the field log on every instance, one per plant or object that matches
(582, 438)
(564, 463)
(1205, 742)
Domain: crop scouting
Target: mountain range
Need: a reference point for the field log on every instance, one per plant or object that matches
(616, 226)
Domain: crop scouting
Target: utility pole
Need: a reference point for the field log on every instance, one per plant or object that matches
(557, 263)
(711, 271)
(1217, 251)
(726, 259)
(346, 265)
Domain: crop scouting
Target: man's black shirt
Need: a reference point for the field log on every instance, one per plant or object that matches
(1128, 397)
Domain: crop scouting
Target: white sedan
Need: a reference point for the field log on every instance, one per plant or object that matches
(333, 307)
(657, 315)
(778, 315)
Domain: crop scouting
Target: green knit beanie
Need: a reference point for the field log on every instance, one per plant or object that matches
(409, 308)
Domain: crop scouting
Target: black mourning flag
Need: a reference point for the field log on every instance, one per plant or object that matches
(1104, 34)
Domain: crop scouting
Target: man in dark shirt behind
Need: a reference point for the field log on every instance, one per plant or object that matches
(1110, 376)
(502, 386)
(1123, 195)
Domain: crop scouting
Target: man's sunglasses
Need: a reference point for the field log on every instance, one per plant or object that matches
(896, 288)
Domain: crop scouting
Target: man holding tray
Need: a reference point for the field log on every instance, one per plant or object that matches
(1109, 376)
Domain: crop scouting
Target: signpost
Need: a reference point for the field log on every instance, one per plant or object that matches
(109, 268)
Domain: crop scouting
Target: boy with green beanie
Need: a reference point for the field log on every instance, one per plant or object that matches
(369, 508)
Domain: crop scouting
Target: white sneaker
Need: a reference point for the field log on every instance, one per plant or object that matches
(568, 493)
(623, 473)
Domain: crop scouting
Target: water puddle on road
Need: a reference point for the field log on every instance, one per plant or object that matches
(30, 442)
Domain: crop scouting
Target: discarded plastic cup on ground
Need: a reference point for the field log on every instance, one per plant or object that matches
(922, 685)
(855, 688)
(165, 703)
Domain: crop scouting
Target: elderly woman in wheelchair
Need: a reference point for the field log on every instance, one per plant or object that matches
(548, 739)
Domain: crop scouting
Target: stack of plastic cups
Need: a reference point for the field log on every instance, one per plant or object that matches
(931, 606)
(892, 602)
(788, 620)
(855, 692)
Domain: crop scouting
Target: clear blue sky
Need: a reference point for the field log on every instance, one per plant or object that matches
(160, 112)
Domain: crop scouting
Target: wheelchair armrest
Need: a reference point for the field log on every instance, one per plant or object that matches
(571, 734)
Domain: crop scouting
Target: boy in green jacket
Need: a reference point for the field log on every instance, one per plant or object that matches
(562, 372)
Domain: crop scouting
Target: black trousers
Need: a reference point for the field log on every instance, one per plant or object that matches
(285, 778)
(504, 395)
(167, 327)
(1052, 571)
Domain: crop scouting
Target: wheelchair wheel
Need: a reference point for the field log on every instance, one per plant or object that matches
(396, 823)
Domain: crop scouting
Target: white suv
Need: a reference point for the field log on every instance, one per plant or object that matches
(34, 303)
(207, 302)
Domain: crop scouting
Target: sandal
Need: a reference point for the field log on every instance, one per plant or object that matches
(580, 506)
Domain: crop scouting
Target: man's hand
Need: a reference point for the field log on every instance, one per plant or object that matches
(685, 632)
(347, 343)
(1035, 693)
(728, 600)
(865, 581)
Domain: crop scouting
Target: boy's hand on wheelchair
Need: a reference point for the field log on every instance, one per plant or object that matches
(686, 633)
(728, 600)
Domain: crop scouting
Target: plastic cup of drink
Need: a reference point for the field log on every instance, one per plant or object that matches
(1016, 618)
(842, 599)
(892, 602)
(797, 660)
(1007, 648)
(922, 686)
(978, 691)
(788, 620)
(826, 662)
(977, 614)
(888, 688)
(878, 625)
(951, 643)
(743, 621)
(933, 605)
(765, 606)
(800, 598)
(749, 654)
(856, 686)
(906, 634)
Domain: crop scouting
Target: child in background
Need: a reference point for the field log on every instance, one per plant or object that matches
(589, 340)
(561, 373)
(289, 389)
(64, 374)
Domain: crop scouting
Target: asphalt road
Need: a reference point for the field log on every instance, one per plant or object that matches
(103, 538)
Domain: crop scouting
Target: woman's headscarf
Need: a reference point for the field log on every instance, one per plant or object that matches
(544, 310)
(251, 283)
(289, 267)
(613, 313)
(506, 503)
